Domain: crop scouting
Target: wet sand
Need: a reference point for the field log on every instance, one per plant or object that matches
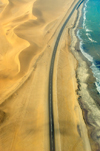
(89, 98)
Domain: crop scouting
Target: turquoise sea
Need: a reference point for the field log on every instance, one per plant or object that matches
(89, 36)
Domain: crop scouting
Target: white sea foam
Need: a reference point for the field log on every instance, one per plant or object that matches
(97, 86)
(90, 58)
(84, 14)
(88, 30)
(78, 35)
(88, 34)
(89, 37)
(92, 40)
(96, 73)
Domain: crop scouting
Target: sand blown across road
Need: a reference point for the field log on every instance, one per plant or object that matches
(28, 31)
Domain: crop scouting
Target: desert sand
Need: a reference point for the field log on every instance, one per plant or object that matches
(28, 31)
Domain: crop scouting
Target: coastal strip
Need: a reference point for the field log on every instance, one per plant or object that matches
(88, 96)
(51, 118)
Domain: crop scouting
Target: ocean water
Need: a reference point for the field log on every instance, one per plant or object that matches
(89, 36)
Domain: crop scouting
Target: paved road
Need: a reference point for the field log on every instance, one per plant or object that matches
(51, 118)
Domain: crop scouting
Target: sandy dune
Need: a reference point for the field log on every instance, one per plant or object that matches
(26, 27)
(28, 30)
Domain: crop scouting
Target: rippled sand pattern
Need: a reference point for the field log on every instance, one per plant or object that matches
(24, 26)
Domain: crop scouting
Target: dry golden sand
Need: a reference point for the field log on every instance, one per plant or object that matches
(28, 30)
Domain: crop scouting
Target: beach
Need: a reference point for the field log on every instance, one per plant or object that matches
(28, 32)
(89, 97)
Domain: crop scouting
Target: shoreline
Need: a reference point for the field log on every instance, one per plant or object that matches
(88, 95)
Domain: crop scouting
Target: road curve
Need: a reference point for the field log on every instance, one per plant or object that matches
(51, 118)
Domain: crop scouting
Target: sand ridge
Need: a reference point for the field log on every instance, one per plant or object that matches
(26, 26)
